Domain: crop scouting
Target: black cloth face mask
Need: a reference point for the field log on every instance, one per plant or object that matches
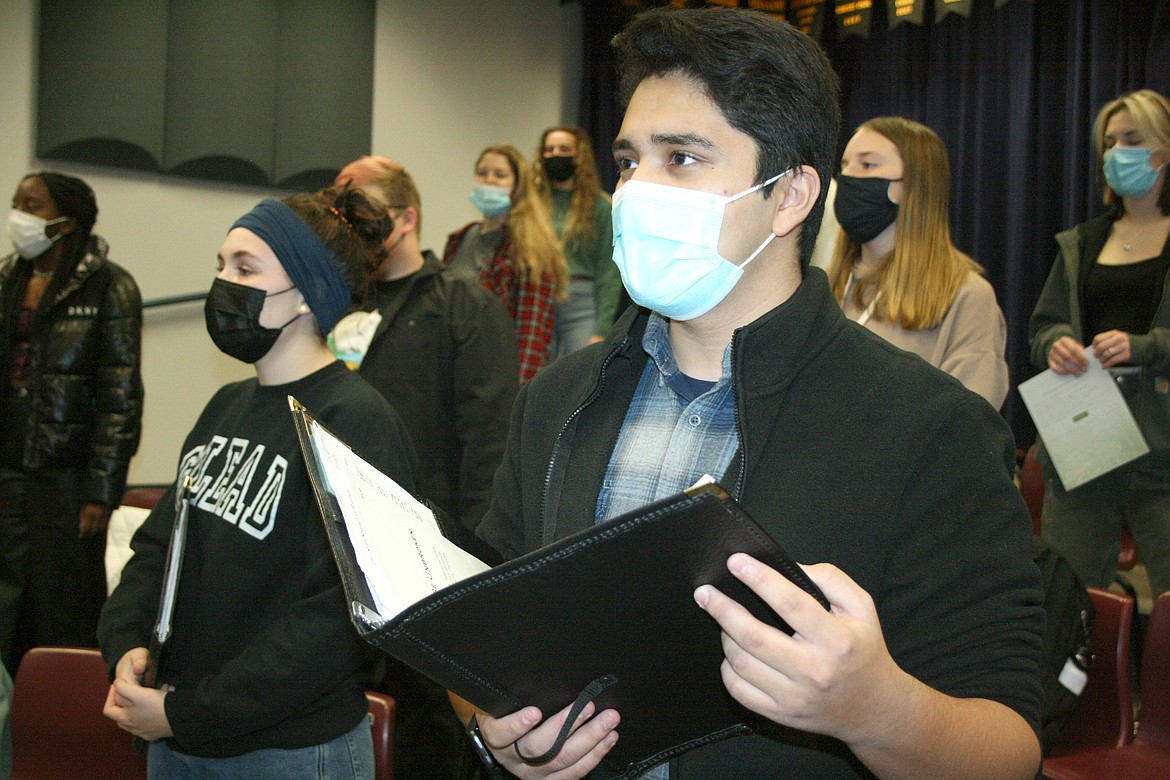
(863, 206)
(560, 168)
(232, 312)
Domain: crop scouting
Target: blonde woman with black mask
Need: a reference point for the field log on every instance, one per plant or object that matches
(895, 269)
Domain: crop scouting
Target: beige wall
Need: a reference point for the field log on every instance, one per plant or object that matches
(450, 78)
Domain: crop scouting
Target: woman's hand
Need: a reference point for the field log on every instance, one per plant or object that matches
(1112, 348)
(1068, 357)
(134, 708)
(139, 710)
(132, 665)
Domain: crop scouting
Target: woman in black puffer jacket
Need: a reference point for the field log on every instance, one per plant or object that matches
(70, 412)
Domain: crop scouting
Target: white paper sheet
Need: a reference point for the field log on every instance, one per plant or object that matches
(395, 538)
(1087, 427)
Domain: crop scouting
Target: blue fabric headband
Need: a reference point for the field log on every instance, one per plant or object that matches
(304, 257)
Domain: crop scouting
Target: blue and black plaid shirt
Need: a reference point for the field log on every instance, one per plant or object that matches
(676, 430)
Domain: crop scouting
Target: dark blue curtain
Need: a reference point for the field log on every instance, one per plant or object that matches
(1013, 92)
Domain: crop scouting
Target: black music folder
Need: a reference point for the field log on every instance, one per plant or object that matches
(609, 609)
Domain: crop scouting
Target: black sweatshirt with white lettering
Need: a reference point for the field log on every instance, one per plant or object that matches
(263, 652)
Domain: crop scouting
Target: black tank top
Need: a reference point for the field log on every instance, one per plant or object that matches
(1124, 297)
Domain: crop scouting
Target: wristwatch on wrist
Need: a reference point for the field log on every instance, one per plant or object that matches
(495, 771)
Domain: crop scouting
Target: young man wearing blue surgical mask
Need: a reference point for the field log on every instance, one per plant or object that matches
(894, 482)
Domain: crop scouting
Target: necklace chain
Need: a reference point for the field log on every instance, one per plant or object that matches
(1127, 244)
(1135, 232)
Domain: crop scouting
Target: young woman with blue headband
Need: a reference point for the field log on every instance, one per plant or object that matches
(265, 676)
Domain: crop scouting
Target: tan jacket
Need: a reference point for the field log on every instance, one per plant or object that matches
(968, 344)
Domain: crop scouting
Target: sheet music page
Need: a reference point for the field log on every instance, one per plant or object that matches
(1086, 425)
(395, 538)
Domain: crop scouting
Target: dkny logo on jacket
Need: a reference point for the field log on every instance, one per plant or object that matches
(224, 470)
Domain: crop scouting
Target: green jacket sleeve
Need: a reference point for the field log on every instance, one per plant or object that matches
(1052, 317)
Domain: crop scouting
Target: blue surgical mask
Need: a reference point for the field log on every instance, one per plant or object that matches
(492, 201)
(1128, 171)
(666, 245)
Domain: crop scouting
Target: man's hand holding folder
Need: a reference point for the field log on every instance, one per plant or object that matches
(590, 742)
(604, 619)
(833, 670)
(828, 677)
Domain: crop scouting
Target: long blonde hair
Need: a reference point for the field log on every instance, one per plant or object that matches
(1150, 111)
(917, 281)
(579, 223)
(538, 250)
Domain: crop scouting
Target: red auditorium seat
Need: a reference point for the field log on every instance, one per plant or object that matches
(1147, 755)
(58, 730)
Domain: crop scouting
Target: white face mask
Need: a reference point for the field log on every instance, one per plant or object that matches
(28, 233)
(666, 245)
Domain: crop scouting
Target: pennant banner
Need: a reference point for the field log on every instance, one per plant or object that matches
(777, 8)
(853, 17)
(905, 11)
(808, 16)
(944, 7)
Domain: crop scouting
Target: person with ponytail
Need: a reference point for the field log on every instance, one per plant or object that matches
(513, 251)
(895, 269)
(70, 412)
(565, 176)
(265, 676)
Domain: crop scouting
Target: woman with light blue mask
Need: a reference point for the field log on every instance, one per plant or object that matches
(513, 251)
(1107, 300)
